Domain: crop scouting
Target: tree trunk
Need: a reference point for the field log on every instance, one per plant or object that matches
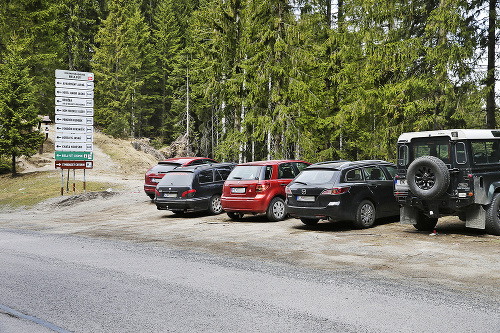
(490, 78)
(14, 172)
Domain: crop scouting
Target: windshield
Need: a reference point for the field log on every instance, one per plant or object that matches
(246, 172)
(316, 176)
(177, 179)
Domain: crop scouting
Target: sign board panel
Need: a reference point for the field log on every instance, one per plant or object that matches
(74, 156)
(79, 93)
(74, 164)
(74, 128)
(72, 101)
(72, 137)
(61, 119)
(74, 84)
(74, 146)
(74, 75)
(74, 111)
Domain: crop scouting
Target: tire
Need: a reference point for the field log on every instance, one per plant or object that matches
(235, 216)
(492, 222)
(214, 205)
(309, 221)
(365, 215)
(151, 196)
(428, 177)
(425, 223)
(276, 210)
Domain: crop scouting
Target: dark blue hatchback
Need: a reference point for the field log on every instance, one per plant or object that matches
(193, 188)
(360, 192)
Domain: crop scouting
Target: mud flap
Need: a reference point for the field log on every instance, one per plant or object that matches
(475, 217)
(408, 215)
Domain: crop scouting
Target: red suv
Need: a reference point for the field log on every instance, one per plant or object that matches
(259, 187)
(156, 173)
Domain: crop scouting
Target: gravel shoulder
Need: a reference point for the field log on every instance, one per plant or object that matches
(458, 258)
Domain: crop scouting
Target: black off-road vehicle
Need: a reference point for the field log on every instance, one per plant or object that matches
(449, 172)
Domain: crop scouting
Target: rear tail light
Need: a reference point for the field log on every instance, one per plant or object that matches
(262, 187)
(157, 193)
(336, 190)
(287, 190)
(189, 194)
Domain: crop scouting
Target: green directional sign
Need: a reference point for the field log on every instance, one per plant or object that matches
(74, 156)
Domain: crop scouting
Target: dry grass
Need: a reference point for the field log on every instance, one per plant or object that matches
(38, 180)
(31, 188)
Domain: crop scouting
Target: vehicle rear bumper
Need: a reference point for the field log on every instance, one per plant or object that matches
(334, 213)
(184, 205)
(244, 205)
(149, 189)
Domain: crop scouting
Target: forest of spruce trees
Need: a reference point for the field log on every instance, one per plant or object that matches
(255, 79)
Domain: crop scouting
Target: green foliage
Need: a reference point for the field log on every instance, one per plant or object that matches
(258, 79)
(18, 115)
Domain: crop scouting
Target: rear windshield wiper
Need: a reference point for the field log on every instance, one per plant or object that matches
(299, 182)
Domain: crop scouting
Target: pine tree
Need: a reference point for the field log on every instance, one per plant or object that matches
(123, 64)
(18, 115)
(167, 46)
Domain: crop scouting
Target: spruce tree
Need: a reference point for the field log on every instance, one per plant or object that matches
(18, 114)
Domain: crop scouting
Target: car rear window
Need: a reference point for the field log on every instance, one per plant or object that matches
(163, 168)
(177, 179)
(438, 147)
(316, 176)
(246, 172)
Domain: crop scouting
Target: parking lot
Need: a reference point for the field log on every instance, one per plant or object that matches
(456, 257)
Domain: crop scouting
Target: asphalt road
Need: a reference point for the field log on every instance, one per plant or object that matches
(82, 284)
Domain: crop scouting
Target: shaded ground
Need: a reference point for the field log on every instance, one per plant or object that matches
(456, 257)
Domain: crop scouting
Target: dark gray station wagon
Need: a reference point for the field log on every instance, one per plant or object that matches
(360, 192)
(193, 188)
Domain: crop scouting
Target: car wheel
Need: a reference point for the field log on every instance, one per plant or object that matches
(428, 177)
(235, 216)
(309, 221)
(492, 223)
(151, 196)
(365, 215)
(276, 210)
(215, 206)
(425, 223)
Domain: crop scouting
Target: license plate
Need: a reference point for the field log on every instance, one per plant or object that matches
(169, 195)
(155, 180)
(305, 198)
(238, 189)
(400, 181)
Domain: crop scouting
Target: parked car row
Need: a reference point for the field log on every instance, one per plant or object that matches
(360, 191)
(438, 173)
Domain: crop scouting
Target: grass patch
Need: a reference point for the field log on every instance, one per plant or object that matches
(32, 188)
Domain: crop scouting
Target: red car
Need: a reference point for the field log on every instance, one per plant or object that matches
(259, 187)
(156, 173)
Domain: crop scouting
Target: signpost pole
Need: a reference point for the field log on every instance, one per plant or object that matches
(62, 182)
(84, 190)
(74, 182)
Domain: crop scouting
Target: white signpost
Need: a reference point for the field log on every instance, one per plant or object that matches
(79, 93)
(74, 111)
(74, 120)
(73, 101)
(77, 120)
